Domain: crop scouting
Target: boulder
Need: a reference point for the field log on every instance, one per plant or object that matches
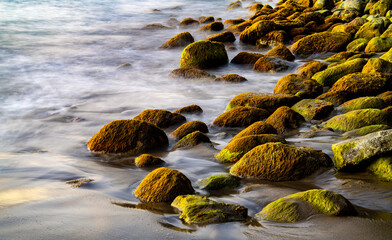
(387, 56)
(189, 22)
(274, 38)
(382, 168)
(180, 40)
(226, 36)
(358, 5)
(160, 118)
(233, 21)
(191, 109)
(233, 78)
(340, 57)
(336, 98)
(175, 183)
(147, 160)
(257, 30)
(191, 73)
(240, 26)
(365, 130)
(219, 181)
(362, 103)
(377, 65)
(285, 119)
(214, 26)
(209, 19)
(256, 128)
(310, 68)
(191, 140)
(280, 162)
(378, 44)
(324, 4)
(371, 29)
(299, 85)
(387, 97)
(188, 128)
(246, 58)
(240, 117)
(313, 108)
(271, 64)
(357, 45)
(234, 5)
(381, 7)
(387, 33)
(128, 136)
(281, 51)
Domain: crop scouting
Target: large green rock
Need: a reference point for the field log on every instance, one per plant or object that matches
(382, 168)
(300, 206)
(219, 181)
(387, 33)
(313, 108)
(362, 103)
(378, 44)
(358, 5)
(204, 54)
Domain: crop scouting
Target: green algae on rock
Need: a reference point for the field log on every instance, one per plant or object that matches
(357, 45)
(219, 181)
(256, 128)
(280, 162)
(233, 78)
(257, 30)
(300, 206)
(188, 128)
(191, 140)
(336, 98)
(204, 54)
(226, 36)
(246, 58)
(281, 51)
(378, 44)
(387, 56)
(191, 73)
(160, 118)
(274, 39)
(214, 26)
(362, 103)
(387, 97)
(190, 109)
(201, 210)
(313, 108)
(371, 29)
(365, 130)
(239, 146)
(128, 136)
(147, 160)
(180, 40)
(377, 65)
(240, 117)
(310, 68)
(271, 64)
(285, 119)
(299, 85)
(340, 57)
(163, 185)
(382, 168)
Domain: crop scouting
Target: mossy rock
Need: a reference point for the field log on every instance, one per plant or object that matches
(377, 65)
(246, 58)
(239, 146)
(219, 181)
(233, 21)
(285, 119)
(370, 30)
(324, 4)
(180, 40)
(310, 68)
(357, 45)
(358, 153)
(320, 42)
(201, 210)
(302, 205)
(208, 19)
(381, 7)
(340, 57)
(240, 117)
(358, 5)
(234, 5)
(313, 108)
(319, 132)
(257, 30)
(147, 160)
(226, 36)
(128, 136)
(336, 98)
(240, 26)
(387, 33)
(378, 44)
(191, 140)
(271, 64)
(301, 31)
(204, 54)
(214, 26)
(382, 168)
(189, 22)
(190, 109)
(256, 7)
(274, 38)
(163, 185)
(365, 130)
(191, 73)
(387, 97)
(362, 103)
(387, 56)
(330, 75)
(160, 118)
(281, 51)
(299, 85)
(267, 101)
(280, 162)
(233, 78)
(154, 26)
(357, 119)
(188, 128)
(256, 128)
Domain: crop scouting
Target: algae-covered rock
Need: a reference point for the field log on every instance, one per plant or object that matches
(382, 168)
(336, 98)
(310, 68)
(379, 65)
(257, 30)
(226, 36)
(256, 128)
(208, 19)
(239, 146)
(357, 45)
(204, 54)
(274, 38)
(321, 42)
(188, 128)
(281, 51)
(323, 4)
(358, 153)
(201, 210)
(357, 119)
(285, 119)
(233, 21)
(362, 103)
(378, 44)
(319, 132)
(300, 206)
(189, 22)
(163, 185)
(387, 97)
(240, 117)
(280, 162)
(330, 75)
(299, 85)
(267, 101)
(339, 57)
(240, 26)
(358, 5)
(381, 7)
(271, 64)
(370, 30)
(191, 109)
(214, 26)
(365, 130)
(191, 140)
(191, 73)
(234, 78)
(128, 136)
(147, 160)
(180, 40)
(246, 58)
(219, 181)
(387, 56)
(313, 108)
(387, 33)
(160, 118)
(234, 5)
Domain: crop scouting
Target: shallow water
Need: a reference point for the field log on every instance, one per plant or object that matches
(60, 83)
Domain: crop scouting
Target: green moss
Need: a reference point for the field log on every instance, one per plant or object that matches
(226, 36)
(370, 30)
(160, 118)
(365, 130)
(240, 117)
(382, 168)
(256, 128)
(313, 108)
(357, 45)
(220, 181)
(378, 44)
(188, 128)
(338, 57)
(280, 211)
(190, 109)
(387, 33)
(191, 140)
(281, 51)
(362, 103)
(147, 160)
(204, 54)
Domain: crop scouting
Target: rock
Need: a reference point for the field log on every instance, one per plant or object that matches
(370, 30)
(340, 57)
(257, 30)
(324, 4)
(233, 21)
(191, 73)
(358, 153)
(175, 183)
(281, 51)
(274, 38)
(357, 45)
(267, 101)
(299, 85)
(204, 54)
(284, 119)
(336, 98)
(240, 117)
(239, 27)
(191, 109)
(378, 44)
(256, 7)
(362, 103)
(128, 136)
(246, 58)
(377, 65)
(154, 26)
(358, 5)
(234, 78)
(387, 56)
(76, 183)
(381, 7)
(280, 162)
(209, 19)
(387, 97)
(201, 210)
(310, 68)
(387, 33)
(160, 118)
(271, 64)
(191, 140)
(172, 22)
(220, 181)
(330, 75)
(234, 5)
(320, 42)
(147, 160)
(319, 132)
(188, 128)
(302, 205)
(256, 128)
(180, 40)
(189, 22)
(382, 168)
(239, 146)
(226, 36)
(313, 108)
(357, 119)
(214, 26)
(365, 130)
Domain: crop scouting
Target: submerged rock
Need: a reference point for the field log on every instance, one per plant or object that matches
(313, 108)
(191, 109)
(180, 40)
(163, 185)
(160, 118)
(147, 160)
(128, 136)
(220, 181)
(240, 117)
(256, 128)
(234, 78)
(191, 73)
(285, 119)
(191, 140)
(299, 85)
(189, 22)
(188, 128)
